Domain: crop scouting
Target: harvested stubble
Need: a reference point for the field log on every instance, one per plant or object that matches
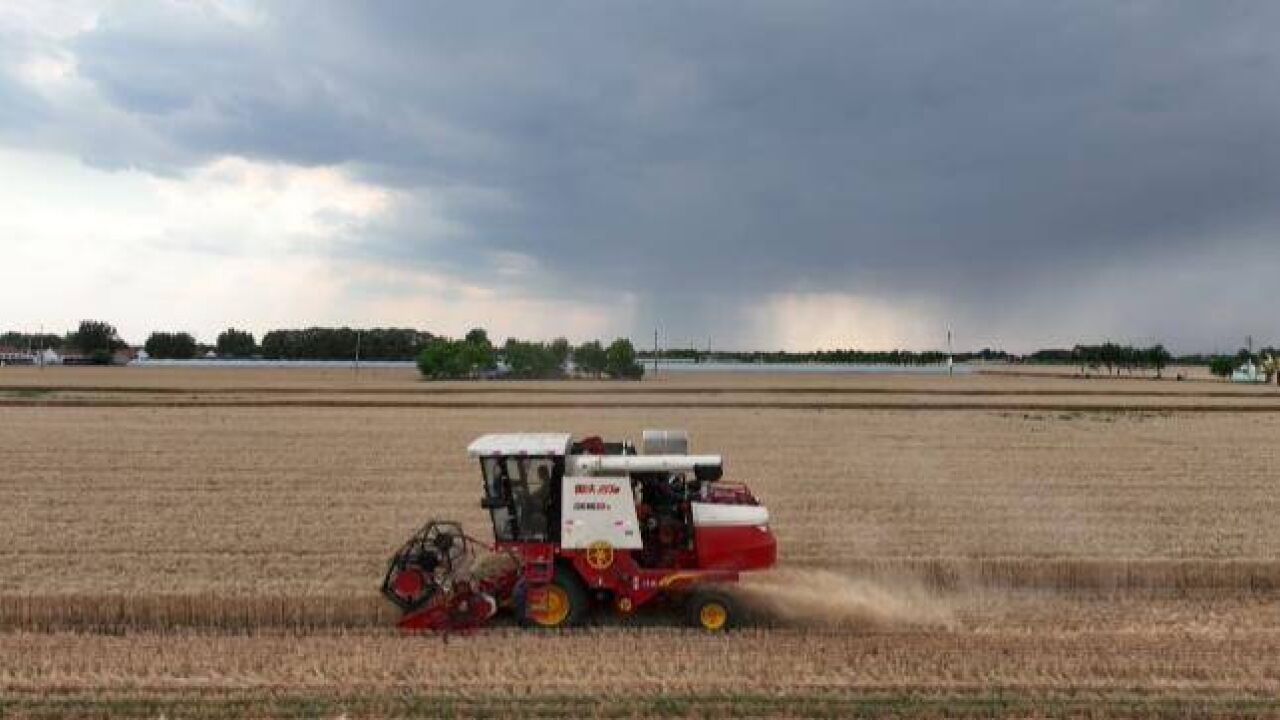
(295, 502)
(833, 703)
(1075, 574)
(861, 596)
(1021, 645)
(168, 613)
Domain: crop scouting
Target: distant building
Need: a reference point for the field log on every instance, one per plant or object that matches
(16, 356)
(1247, 373)
(20, 356)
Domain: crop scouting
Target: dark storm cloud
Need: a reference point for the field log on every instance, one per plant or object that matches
(991, 155)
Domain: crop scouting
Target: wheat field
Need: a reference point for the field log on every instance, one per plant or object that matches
(987, 544)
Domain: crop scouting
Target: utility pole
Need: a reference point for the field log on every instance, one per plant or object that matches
(655, 351)
(358, 334)
(950, 362)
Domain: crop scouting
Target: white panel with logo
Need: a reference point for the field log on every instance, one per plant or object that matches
(598, 509)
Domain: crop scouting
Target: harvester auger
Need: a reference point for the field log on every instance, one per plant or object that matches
(585, 524)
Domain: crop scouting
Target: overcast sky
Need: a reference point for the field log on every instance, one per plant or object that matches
(750, 174)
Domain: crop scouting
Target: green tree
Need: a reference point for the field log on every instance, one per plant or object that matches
(530, 360)
(441, 359)
(1222, 366)
(589, 358)
(236, 343)
(449, 359)
(620, 360)
(1158, 358)
(478, 352)
(171, 346)
(560, 351)
(96, 339)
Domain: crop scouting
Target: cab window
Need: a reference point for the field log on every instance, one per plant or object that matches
(522, 497)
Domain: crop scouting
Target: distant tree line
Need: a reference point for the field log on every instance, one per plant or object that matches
(475, 356)
(876, 357)
(1113, 356)
(34, 341)
(317, 343)
(314, 343)
(93, 341)
(1117, 358)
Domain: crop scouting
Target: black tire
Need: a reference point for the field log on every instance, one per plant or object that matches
(714, 611)
(574, 594)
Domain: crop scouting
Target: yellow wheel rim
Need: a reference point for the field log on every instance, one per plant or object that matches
(713, 616)
(555, 608)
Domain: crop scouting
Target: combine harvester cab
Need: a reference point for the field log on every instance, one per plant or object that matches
(584, 524)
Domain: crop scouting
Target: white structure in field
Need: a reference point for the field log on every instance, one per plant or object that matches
(1247, 373)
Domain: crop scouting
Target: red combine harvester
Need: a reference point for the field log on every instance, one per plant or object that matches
(585, 523)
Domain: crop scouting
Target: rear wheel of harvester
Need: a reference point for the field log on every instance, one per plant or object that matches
(711, 610)
(564, 603)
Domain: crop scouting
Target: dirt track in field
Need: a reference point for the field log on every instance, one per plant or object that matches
(1012, 653)
(397, 388)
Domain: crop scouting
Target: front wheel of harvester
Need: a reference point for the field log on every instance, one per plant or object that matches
(712, 610)
(565, 604)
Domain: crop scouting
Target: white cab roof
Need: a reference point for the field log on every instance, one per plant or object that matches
(520, 444)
